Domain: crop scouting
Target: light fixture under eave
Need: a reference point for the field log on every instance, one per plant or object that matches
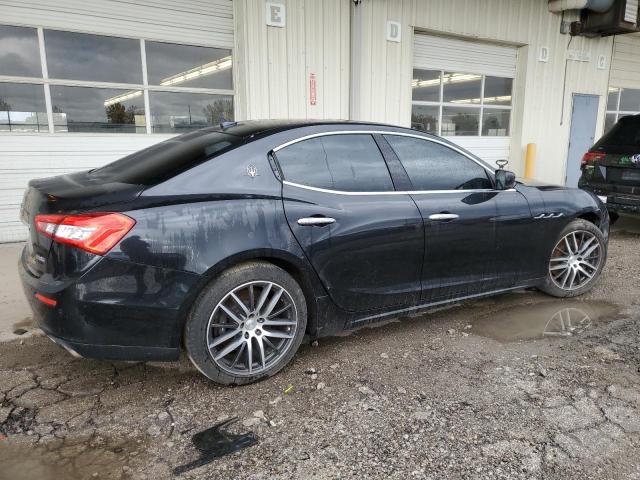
(122, 98)
(201, 71)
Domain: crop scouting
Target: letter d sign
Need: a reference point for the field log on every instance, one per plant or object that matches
(393, 31)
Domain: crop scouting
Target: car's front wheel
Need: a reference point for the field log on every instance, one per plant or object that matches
(247, 324)
(576, 260)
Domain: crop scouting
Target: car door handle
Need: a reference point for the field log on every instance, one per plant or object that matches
(316, 221)
(443, 216)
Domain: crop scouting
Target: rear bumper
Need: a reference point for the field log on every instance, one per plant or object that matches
(116, 352)
(116, 310)
(616, 202)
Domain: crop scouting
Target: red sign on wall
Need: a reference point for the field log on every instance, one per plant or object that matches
(312, 89)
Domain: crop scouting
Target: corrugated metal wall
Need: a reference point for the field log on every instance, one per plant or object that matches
(625, 66)
(540, 114)
(205, 22)
(274, 64)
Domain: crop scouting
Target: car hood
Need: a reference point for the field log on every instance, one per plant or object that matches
(531, 182)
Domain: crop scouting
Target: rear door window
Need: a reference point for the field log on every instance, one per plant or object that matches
(432, 166)
(349, 162)
(166, 159)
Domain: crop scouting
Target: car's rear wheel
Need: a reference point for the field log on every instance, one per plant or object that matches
(576, 260)
(247, 324)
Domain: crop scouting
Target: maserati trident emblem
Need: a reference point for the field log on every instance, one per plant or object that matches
(635, 159)
(252, 171)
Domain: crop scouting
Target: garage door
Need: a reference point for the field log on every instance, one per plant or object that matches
(84, 83)
(462, 90)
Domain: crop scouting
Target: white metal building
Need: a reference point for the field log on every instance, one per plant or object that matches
(85, 82)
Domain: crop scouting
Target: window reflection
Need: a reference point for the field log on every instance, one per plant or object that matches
(83, 109)
(81, 59)
(80, 56)
(169, 64)
(19, 52)
(461, 87)
(497, 90)
(612, 98)
(22, 108)
(425, 118)
(175, 112)
(460, 121)
(452, 103)
(495, 122)
(620, 103)
(630, 100)
(425, 85)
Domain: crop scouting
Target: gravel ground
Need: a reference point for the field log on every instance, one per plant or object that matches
(517, 386)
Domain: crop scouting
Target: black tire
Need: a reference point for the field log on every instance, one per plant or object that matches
(196, 335)
(550, 286)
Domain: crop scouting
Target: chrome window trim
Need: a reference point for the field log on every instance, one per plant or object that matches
(393, 192)
(390, 192)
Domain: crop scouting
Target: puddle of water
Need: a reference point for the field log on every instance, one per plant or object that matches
(216, 442)
(65, 460)
(543, 320)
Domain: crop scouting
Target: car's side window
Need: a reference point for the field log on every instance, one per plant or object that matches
(345, 162)
(432, 166)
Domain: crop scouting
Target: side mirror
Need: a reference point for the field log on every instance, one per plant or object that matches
(505, 179)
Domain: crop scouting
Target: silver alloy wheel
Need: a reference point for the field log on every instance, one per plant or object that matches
(251, 328)
(575, 260)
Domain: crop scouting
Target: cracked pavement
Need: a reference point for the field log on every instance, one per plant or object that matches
(515, 386)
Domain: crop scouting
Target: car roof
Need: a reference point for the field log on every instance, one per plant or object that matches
(258, 128)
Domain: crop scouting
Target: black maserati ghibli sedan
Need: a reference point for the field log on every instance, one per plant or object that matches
(234, 242)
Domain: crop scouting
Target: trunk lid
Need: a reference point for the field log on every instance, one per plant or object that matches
(74, 193)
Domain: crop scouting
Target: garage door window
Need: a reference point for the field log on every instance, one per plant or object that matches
(621, 102)
(107, 84)
(22, 108)
(458, 103)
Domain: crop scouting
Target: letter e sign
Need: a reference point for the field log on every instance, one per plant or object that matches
(276, 14)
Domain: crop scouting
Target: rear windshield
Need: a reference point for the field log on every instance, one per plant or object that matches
(625, 133)
(166, 159)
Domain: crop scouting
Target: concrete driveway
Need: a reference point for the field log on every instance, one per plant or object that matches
(517, 386)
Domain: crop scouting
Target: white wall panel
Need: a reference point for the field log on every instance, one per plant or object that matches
(273, 65)
(542, 103)
(24, 157)
(200, 22)
(625, 65)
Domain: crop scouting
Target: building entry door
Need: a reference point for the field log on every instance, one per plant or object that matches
(584, 115)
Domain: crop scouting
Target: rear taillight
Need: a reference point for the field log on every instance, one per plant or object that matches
(94, 232)
(591, 157)
(50, 302)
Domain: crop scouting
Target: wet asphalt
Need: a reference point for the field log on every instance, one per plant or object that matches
(516, 386)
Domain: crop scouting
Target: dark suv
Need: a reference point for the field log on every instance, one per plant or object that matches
(611, 168)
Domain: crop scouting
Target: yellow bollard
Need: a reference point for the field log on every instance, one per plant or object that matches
(530, 161)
